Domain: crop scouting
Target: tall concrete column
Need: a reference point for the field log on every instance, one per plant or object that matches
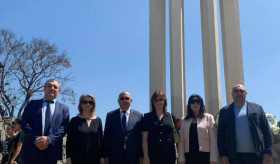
(157, 46)
(211, 59)
(232, 53)
(177, 59)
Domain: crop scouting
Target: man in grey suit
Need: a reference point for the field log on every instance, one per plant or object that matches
(122, 133)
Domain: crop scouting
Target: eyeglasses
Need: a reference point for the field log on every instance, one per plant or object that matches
(195, 101)
(238, 90)
(124, 98)
(87, 102)
(160, 99)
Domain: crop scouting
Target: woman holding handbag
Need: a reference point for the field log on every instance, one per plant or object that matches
(198, 136)
(157, 134)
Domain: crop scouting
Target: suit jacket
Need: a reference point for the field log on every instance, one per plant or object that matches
(32, 128)
(207, 139)
(114, 137)
(258, 125)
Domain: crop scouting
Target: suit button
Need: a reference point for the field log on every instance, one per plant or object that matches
(159, 140)
(160, 132)
(160, 124)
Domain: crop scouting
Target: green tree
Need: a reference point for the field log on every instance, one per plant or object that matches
(24, 68)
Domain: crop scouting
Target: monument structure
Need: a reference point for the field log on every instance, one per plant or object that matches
(232, 54)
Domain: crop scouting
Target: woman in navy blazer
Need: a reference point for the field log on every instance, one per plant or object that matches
(198, 140)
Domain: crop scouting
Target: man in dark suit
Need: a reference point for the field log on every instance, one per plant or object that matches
(44, 123)
(122, 134)
(244, 135)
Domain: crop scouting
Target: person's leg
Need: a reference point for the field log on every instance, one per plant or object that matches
(237, 159)
(44, 160)
(249, 158)
(30, 160)
(204, 158)
(123, 159)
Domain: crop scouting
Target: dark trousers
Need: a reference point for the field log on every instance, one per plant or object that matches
(124, 159)
(197, 158)
(39, 159)
(246, 158)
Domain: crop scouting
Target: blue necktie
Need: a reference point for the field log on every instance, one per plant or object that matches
(124, 121)
(48, 118)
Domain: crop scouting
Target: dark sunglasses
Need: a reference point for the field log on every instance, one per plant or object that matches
(124, 98)
(87, 102)
(194, 101)
(238, 90)
(160, 99)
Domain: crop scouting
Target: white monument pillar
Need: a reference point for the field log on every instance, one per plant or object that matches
(232, 53)
(211, 60)
(157, 46)
(177, 60)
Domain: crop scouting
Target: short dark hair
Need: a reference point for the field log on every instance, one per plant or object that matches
(18, 121)
(51, 80)
(190, 113)
(154, 96)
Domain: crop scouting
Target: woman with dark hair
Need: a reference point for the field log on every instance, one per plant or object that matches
(84, 138)
(10, 136)
(198, 136)
(15, 144)
(157, 134)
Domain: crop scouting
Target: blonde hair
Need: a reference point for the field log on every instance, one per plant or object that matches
(80, 103)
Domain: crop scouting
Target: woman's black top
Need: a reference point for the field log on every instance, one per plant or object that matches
(84, 143)
(11, 148)
(193, 138)
(160, 136)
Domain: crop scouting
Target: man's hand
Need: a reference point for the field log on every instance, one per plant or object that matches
(267, 159)
(224, 160)
(42, 142)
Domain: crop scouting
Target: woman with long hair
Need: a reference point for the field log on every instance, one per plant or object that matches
(10, 135)
(198, 136)
(15, 144)
(84, 138)
(157, 134)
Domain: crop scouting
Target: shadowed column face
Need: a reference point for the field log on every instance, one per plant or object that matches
(231, 37)
(211, 60)
(177, 58)
(157, 57)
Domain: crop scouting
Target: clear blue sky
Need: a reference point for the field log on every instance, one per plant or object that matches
(108, 43)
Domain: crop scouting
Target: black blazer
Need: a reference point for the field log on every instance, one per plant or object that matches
(114, 137)
(32, 128)
(257, 124)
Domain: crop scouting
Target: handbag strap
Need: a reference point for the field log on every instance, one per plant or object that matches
(172, 121)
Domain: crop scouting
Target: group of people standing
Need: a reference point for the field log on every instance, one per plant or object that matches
(243, 134)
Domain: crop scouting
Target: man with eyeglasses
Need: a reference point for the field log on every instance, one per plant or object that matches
(244, 135)
(122, 133)
(44, 124)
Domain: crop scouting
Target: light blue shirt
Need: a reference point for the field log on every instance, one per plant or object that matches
(244, 141)
(44, 108)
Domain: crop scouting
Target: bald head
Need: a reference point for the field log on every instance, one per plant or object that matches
(239, 93)
(124, 100)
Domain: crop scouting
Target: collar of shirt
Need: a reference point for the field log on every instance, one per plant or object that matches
(45, 100)
(127, 112)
